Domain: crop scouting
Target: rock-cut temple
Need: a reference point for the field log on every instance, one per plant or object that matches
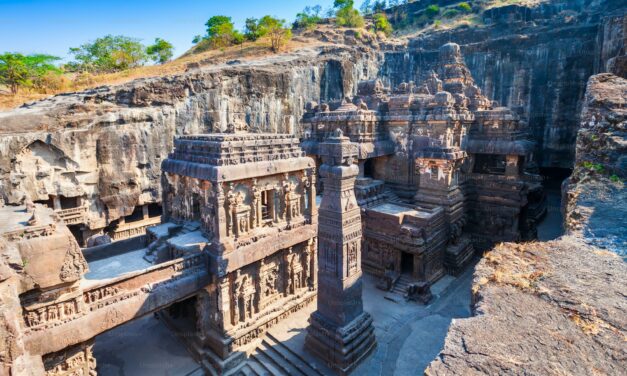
(406, 184)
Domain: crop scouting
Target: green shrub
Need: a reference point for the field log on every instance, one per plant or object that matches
(432, 11)
(308, 18)
(593, 166)
(349, 17)
(464, 7)
(437, 24)
(382, 24)
(614, 178)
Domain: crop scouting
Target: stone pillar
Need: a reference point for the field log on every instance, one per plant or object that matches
(56, 202)
(145, 212)
(313, 209)
(341, 333)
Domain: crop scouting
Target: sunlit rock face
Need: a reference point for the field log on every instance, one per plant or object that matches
(106, 144)
(101, 150)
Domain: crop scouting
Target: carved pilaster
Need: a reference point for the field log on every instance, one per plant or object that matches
(341, 333)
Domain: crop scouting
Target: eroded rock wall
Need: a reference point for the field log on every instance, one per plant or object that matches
(106, 145)
(558, 307)
(535, 58)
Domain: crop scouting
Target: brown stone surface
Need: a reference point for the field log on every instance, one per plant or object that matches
(559, 307)
(542, 308)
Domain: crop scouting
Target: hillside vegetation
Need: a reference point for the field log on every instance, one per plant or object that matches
(222, 42)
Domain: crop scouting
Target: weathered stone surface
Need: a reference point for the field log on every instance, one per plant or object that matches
(559, 307)
(105, 146)
(542, 308)
(534, 57)
(595, 195)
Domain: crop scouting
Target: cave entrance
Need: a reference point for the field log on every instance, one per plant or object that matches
(77, 231)
(136, 216)
(369, 168)
(407, 263)
(492, 164)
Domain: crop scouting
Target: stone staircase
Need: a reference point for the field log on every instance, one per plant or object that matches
(273, 358)
(401, 286)
(392, 197)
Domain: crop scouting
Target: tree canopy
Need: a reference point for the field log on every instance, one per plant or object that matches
(22, 71)
(161, 51)
(276, 30)
(346, 15)
(252, 30)
(108, 54)
(308, 18)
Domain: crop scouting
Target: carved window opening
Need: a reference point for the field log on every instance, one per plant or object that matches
(136, 216)
(489, 164)
(154, 210)
(267, 205)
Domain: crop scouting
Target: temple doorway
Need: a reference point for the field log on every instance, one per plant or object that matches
(369, 168)
(407, 263)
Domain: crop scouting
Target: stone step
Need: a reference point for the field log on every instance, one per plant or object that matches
(265, 364)
(298, 361)
(255, 369)
(279, 360)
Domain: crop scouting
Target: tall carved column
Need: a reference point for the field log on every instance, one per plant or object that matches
(341, 333)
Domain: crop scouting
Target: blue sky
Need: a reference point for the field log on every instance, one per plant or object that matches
(46, 26)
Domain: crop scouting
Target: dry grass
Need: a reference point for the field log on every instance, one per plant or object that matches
(514, 265)
(591, 326)
(247, 50)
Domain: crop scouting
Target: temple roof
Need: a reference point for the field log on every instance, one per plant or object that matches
(229, 156)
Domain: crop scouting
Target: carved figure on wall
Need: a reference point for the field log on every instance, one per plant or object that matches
(74, 265)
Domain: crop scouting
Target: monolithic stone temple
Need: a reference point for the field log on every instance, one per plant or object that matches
(414, 180)
(442, 170)
(253, 197)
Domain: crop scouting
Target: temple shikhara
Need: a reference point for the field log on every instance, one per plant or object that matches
(406, 184)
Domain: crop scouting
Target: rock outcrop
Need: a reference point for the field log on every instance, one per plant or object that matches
(535, 315)
(102, 148)
(105, 146)
(535, 56)
(595, 195)
(559, 307)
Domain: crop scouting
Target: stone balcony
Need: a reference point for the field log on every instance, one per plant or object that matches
(72, 216)
(131, 229)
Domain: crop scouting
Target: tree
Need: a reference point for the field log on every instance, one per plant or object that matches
(349, 17)
(382, 24)
(108, 54)
(378, 6)
(161, 51)
(220, 31)
(252, 31)
(308, 18)
(366, 7)
(343, 3)
(21, 71)
(276, 30)
(432, 11)
(346, 15)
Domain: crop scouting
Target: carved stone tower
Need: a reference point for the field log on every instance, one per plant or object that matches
(341, 333)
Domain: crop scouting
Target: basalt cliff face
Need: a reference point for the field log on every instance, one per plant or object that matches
(559, 307)
(105, 146)
(533, 58)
